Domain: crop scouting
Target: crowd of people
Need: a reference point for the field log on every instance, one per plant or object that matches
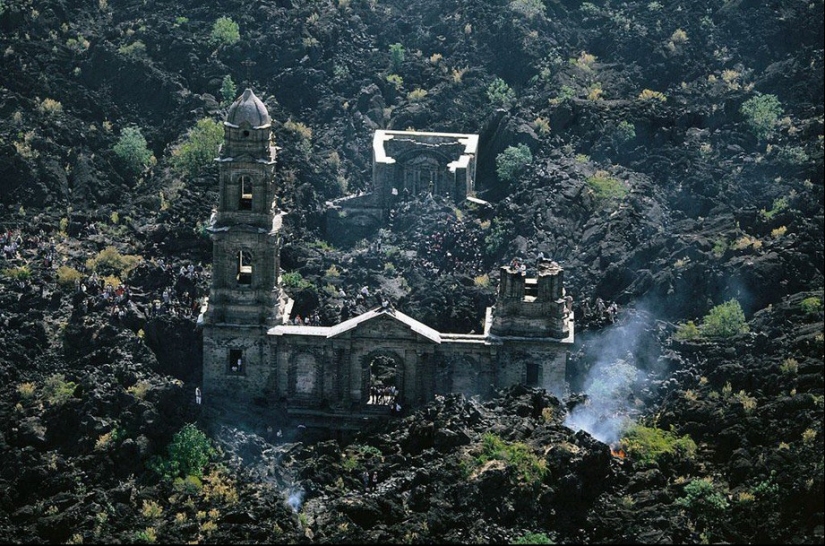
(95, 292)
(452, 249)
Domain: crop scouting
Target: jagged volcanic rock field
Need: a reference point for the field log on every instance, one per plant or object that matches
(675, 166)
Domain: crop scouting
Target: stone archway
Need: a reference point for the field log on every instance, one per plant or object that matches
(383, 373)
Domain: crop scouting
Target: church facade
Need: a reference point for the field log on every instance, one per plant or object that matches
(367, 364)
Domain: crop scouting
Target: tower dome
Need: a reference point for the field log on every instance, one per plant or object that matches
(248, 108)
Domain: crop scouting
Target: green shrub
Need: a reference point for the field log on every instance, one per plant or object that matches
(228, 89)
(132, 150)
(512, 161)
(762, 114)
(199, 149)
(136, 50)
(533, 538)
(789, 366)
(811, 306)
(416, 95)
(187, 454)
(777, 206)
(528, 8)
(624, 132)
(57, 391)
(20, 273)
(500, 93)
(605, 187)
(225, 31)
(293, 279)
(704, 500)
(650, 444)
(528, 466)
(110, 261)
(687, 331)
(397, 55)
(725, 320)
(67, 276)
(496, 239)
(396, 80)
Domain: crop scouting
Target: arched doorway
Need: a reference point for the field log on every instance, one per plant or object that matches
(383, 371)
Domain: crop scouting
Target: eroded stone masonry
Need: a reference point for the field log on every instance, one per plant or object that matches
(365, 365)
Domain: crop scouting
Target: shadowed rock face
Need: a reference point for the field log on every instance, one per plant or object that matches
(94, 388)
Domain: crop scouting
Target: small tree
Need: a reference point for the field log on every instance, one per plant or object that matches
(500, 93)
(396, 56)
(187, 454)
(225, 31)
(704, 500)
(512, 161)
(228, 89)
(762, 113)
(725, 320)
(131, 148)
(199, 149)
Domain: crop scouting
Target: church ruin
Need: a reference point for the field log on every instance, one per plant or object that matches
(405, 164)
(329, 375)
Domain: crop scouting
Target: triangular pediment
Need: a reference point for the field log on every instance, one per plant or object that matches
(386, 324)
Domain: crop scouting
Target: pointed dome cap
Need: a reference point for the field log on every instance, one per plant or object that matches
(248, 108)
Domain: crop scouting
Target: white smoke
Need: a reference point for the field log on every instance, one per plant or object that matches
(610, 382)
(295, 499)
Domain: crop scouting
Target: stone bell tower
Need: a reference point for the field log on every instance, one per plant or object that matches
(245, 297)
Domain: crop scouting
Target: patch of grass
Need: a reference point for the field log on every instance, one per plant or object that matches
(687, 331)
(293, 279)
(533, 538)
(528, 466)
(811, 305)
(649, 444)
(605, 187)
(57, 390)
(67, 276)
(20, 273)
(110, 261)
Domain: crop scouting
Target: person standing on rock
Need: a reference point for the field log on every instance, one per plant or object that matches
(198, 395)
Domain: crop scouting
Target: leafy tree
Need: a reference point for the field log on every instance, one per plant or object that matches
(762, 113)
(228, 89)
(225, 31)
(500, 93)
(199, 149)
(396, 56)
(187, 454)
(131, 148)
(725, 320)
(512, 161)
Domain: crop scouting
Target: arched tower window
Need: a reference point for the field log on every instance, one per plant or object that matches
(244, 274)
(245, 202)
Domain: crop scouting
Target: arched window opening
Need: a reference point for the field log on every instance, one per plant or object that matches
(244, 267)
(383, 381)
(246, 193)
